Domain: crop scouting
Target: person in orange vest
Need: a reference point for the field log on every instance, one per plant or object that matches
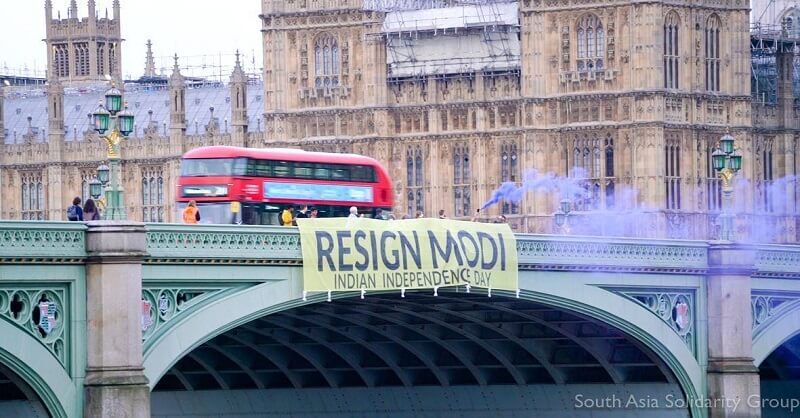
(191, 215)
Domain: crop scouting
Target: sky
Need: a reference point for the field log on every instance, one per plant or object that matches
(202, 32)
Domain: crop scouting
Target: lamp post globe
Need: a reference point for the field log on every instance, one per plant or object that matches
(736, 161)
(100, 119)
(726, 144)
(102, 173)
(125, 122)
(560, 218)
(113, 100)
(718, 159)
(564, 206)
(95, 188)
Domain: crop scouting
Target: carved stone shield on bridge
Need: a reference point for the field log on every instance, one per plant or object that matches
(147, 317)
(47, 317)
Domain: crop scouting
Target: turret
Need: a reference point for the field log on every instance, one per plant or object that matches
(92, 11)
(48, 16)
(239, 103)
(177, 94)
(73, 10)
(149, 61)
(55, 110)
(117, 14)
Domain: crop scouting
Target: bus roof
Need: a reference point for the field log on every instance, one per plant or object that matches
(282, 154)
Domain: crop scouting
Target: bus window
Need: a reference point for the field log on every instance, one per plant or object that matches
(281, 169)
(207, 167)
(322, 172)
(340, 173)
(239, 167)
(303, 170)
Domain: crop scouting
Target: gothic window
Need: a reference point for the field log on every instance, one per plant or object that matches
(671, 51)
(461, 180)
(509, 172)
(591, 160)
(81, 59)
(61, 56)
(414, 172)
(101, 59)
(32, 196)
(713, 183)
(326, 62)
(712, 53)
(591, 43)
(112, 56)
(672, 153)
(152, 194)
(766, 186)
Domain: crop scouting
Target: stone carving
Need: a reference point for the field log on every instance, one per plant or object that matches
(42, 313)
(676, 307)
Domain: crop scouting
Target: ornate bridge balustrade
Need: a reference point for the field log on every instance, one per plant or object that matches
(175, 287)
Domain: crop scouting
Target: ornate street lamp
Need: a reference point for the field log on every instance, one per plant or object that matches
(727, 162)
(119, 124)
(562, 214)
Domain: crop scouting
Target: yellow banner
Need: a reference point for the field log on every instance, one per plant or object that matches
(367, 254)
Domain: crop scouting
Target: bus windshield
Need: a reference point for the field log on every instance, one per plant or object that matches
(199, 167)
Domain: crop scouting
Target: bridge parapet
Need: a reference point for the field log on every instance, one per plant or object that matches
(65, 242)
(42, 242)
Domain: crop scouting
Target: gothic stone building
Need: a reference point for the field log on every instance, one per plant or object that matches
(628, 97)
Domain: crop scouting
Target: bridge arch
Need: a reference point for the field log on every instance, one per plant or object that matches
(37, 367)
(776, 333)
(232, 311)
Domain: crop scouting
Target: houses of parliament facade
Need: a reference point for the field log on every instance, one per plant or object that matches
(454, 98)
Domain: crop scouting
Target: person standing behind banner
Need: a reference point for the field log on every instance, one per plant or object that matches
(302, 213)
(191, 215)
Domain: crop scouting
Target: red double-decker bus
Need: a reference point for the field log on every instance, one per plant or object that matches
(253, 186)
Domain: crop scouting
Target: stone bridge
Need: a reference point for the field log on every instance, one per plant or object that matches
(127, 319)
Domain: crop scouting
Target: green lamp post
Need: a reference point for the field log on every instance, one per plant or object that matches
(726, 162)
(118, 123)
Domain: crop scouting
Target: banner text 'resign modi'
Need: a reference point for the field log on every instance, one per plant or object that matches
(355, 254)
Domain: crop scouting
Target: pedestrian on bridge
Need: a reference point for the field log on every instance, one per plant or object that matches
(191, 215)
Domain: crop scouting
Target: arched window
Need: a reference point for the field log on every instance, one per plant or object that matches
(671, 23)
(509, 172)
(461, 180)
(591, 43)
(593, 164)
(672, 163)
(712, 53)
(326, 62)
(414, 173)
(152, 194)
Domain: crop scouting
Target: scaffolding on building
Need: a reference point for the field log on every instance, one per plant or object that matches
(449, 38)
(772, 35)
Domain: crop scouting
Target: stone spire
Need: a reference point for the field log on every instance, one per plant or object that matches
(117, 14)
(92, 10)
(55, 106)
(73, 10)
(177, 93)
(149, 61)
(239, 103)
